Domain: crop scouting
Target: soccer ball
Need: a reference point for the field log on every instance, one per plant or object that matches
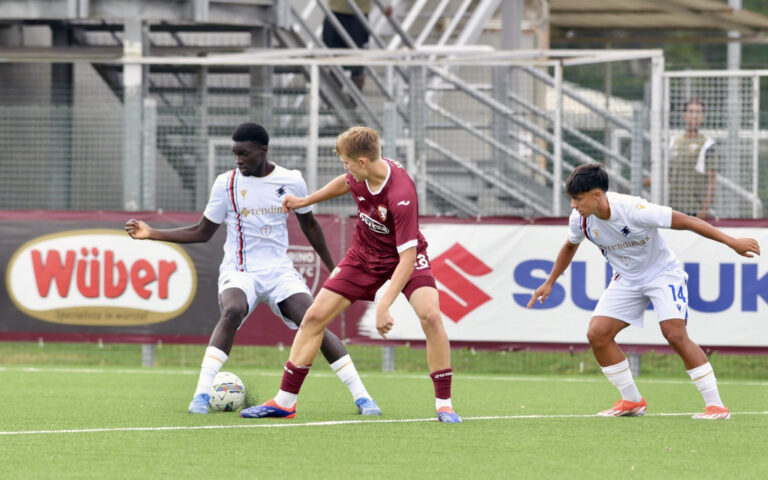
(227, 393)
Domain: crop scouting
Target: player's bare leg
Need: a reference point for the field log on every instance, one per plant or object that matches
(426, 303)
(698, 368)
(234, 307)
(677, 336)
(294, 308)
(602, 338)
(326, 306)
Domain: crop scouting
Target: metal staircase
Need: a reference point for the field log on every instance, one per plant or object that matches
(483, 147)
(495, 178)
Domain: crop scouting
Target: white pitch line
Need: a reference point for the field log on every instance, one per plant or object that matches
(410, 376)
(329, 423)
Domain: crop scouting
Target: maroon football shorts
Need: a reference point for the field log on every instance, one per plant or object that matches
(354, 282)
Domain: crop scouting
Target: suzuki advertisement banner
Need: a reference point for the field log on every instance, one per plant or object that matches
(486, 274)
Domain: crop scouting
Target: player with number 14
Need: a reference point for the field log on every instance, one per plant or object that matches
(626, 229)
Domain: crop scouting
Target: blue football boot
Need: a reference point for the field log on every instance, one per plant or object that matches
(199, 403)
(269, 409)
(367, 406)
(447, 415)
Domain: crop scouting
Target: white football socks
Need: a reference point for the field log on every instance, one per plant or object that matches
(621, 377)
(443, 402)
(212, 362)
(347, 373)
(703, 377)
(286, 399)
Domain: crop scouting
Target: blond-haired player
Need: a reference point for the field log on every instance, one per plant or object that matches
(387, 245)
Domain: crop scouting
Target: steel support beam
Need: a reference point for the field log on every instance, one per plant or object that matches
(62, 84)
(262, 94)
(134, 88)
(418, 124)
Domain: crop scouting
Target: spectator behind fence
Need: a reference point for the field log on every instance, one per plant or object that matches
(692, 165)
(354, 27)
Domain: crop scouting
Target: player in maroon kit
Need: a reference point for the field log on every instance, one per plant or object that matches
(387, 245)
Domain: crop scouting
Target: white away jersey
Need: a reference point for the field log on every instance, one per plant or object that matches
(257, 234)
(630, 239)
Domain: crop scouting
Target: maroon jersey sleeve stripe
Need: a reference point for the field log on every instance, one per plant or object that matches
(584, 228)
(238, 221)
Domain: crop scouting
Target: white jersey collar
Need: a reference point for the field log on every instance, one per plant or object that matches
(389, 172)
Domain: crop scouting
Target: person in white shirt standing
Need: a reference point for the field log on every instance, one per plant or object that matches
(256, 267)
(626, 229)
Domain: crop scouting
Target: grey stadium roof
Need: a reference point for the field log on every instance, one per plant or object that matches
(603, 15)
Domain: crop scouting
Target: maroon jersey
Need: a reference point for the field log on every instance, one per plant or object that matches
(388, 221)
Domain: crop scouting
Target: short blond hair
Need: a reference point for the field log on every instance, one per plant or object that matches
(359, 141)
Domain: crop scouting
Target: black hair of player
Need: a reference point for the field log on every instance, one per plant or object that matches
(252, 132)
(586, 177)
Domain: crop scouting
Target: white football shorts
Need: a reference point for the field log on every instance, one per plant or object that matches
(627, 301)
(271, 285)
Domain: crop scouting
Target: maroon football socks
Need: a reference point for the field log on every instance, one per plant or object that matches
(293, 378)
(442, 380)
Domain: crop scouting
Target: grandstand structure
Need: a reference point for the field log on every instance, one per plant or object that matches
(130, 105)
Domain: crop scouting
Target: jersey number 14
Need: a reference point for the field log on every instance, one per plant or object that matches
(680, 294)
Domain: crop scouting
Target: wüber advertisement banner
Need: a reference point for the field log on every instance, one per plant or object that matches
(487, 273)
(100, 277)
(78, 276)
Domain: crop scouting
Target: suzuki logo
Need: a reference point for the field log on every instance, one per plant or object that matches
(451, 269)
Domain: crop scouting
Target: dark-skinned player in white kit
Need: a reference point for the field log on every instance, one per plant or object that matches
(256, 267)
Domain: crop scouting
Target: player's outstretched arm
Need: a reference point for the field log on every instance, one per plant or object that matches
(314, 233)
(561, 263)
(745, 247)
(335, 188)
(201, 232)
(403, 271)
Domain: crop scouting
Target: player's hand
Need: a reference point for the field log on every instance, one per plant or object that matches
(291, 202)
(384, 321)
(540, 294)
(746, 247)
(137, 229)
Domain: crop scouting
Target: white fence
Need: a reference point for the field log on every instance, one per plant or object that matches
(484, 132)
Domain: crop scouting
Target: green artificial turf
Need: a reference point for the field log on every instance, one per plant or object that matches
(118, 422)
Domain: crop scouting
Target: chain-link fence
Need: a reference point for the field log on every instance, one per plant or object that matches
(482, 132)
